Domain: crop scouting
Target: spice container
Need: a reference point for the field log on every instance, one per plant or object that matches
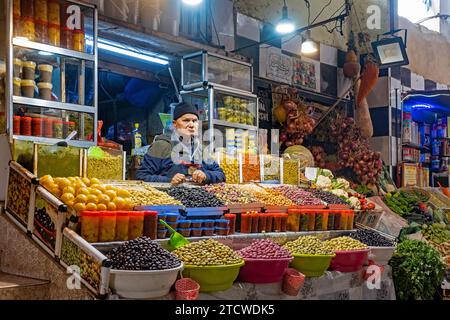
(136, 225)
(48, 127)
(150, 224)
(251, 168)
(45, 73)
(221, 231)
(246, 223)
(276, 226)
(208, 223)
(122, 225)
(262, 222)
(290, 172)
(27, 87)
(107, 231)
(255, 222)
(196, 232)
(171, 217)
(57, 129)
(17, 69)
(162, 233)
(330, 222)
(28, 70)
(37, 127)
(45, 91)
(17, 87)
(222, 223)
(269, 222)
(350, 219)
(185, 224)
(25, 126)
(232, 222)
(90, 223)
(16, 125)
(293, 223)
(208, 232)
(185, 232)
(196, 223)
(284, 218)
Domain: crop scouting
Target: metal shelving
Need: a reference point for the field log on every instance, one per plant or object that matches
(234, 125)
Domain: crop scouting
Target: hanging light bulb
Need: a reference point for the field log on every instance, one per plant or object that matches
(192, 2)
(309, 46)
(285, 25)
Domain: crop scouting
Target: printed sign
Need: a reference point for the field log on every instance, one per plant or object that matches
(275, 65)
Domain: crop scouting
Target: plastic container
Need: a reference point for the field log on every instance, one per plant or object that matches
(185, 224)
(161, 216)
(213, 278)
(48, 127)
(321, 220)
(162, 233)
(174, 225)
(40, 10)
(28, 70)
(196, 223)
(276, 222)
(45, 73)
(17, 90)
(41, 31)
(337, 220)
(263, 270)
(28, 28)
(122, 225)
(186, 289)
(16, 125)
(78, 40)
(150, 224)
(196, 232)
(54, 34)
(25, 126)
(172, 217)
(293, 223)
(344, 219)
(107, 231)
(304, 218)
(246, 223)
(66, 38)
(269, 222)
(255, 223)
(262, 222)
(53, 12)
(311, 265)
(17, 68)
(37, 127)
(221, 223)
(58, 129)
(349, 261)
(90, 226)
(293, 282)
(136, 225)
(232, 222)
(27, 87)
(185, 232)
(208, 232)
(208, 223)
(284, 218)
(350, 219)
(221, 231)
(330, 222)
(45, 91)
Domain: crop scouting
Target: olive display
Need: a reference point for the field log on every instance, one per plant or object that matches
(308, 245)
(70, 253)
(58, 162)
(299, 196)
(371, 238)
(90, 270)
(44, 226)
(207, 253)
(231, 170)
(230, 194)
(142, 254)
(344, 244)
(328, 197)
(150, 196)
(194, 197)
(264, 249)
(269, 197)
(19, 195)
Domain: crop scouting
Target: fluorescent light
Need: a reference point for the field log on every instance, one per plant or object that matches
(422, 106)
(192, 2)
(285, 25)
(45, 53)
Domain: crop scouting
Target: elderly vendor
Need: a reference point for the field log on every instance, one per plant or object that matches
(177, 158)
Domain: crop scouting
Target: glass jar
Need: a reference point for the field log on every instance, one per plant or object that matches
(331, 217)
(122, 225)
(293, 223)
(16, 125)
(262, 222)
(48, 127)
(28, 28)
(17, 70)
(90, 223)
(350, 219)
(66, 38)
(54, 35)
(150, 224)
(78, 40)
(37, 127)
(311, 214)
(107, 231)
(284, 218)
(25, 126)
(337, 220)
(321, 220)
(222, 114)
(232, 222)
(53, 12)
(276, 226)
(303, 221)
(17, 18)
(40, 11)
(246, 222)
(58, 129)
(27, 8)
(269, 222)
(136, 225)
(255, 222)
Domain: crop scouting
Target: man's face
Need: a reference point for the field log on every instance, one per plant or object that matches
(186, 125)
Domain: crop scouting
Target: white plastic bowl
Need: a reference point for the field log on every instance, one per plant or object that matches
(381, 255)
(143, 284)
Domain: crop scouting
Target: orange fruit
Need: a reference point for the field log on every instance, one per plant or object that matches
(72, 179)
(46, 178)
(92, 198)
(111, 194)
(104, 199)
(81, 198)
(55, 191)
(64, 182)
(70, 203)
(78, 207)
(112, 206)
(83, 191)
(102, 207)
(95, 192)
(66, 197)
(69, 189)
(120, 203)
(95, 181)
(86, 181)
(123, 193)
(91, 207)
(111, 188)
(99, 187)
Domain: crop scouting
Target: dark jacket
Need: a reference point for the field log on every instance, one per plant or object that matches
(157, 165)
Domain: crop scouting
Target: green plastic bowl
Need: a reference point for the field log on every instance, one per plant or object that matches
(213, 278)
(311, 265)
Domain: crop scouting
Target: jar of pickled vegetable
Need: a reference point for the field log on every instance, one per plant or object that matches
(284, 218)
(136, 225)
(27, 8)
(16, 125)
(28, 28)
(108, 222)
(350, 219)
(17, 18)
(293, 222)
(321, 220)
(232, 222)
(255, 222)
(150, 224)
(53, 12)
(262, 222)
(246, 223)
(58, 129)
(122, 225)
(25, 126)
(303, 221)
(37, 127)
(276, 226)
(330, 222)
(337, 220)
(54, 35)
(66, 37)
(90, 226)
(269, 222)
(48, 127)
(311, 214)
(78, 40)
(41, 29)
(40, 10)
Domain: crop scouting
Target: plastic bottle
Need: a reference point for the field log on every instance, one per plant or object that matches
(137, 138)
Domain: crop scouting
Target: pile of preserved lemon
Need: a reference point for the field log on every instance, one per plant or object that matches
(83, 194)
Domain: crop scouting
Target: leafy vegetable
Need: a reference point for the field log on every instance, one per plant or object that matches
(437, 233)
(417, 270)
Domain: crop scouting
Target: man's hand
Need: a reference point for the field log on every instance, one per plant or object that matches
(199, 176)
(178, 179)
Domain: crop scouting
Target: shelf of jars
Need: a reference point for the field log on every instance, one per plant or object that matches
(52, 66)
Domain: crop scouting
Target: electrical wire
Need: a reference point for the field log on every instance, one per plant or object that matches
(360, 27)
(321, 11)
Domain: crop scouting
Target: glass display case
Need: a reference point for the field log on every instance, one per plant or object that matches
(202, 69)
(104, 163)
(51, 71)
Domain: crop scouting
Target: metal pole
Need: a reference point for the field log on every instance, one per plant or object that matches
(180, 98)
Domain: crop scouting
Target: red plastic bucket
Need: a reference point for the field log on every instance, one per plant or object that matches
(349, 261)
(186, 289)
(263, 270)
(292, 282)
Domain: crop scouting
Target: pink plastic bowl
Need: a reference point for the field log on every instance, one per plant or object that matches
(263, 270)
(349, 261)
